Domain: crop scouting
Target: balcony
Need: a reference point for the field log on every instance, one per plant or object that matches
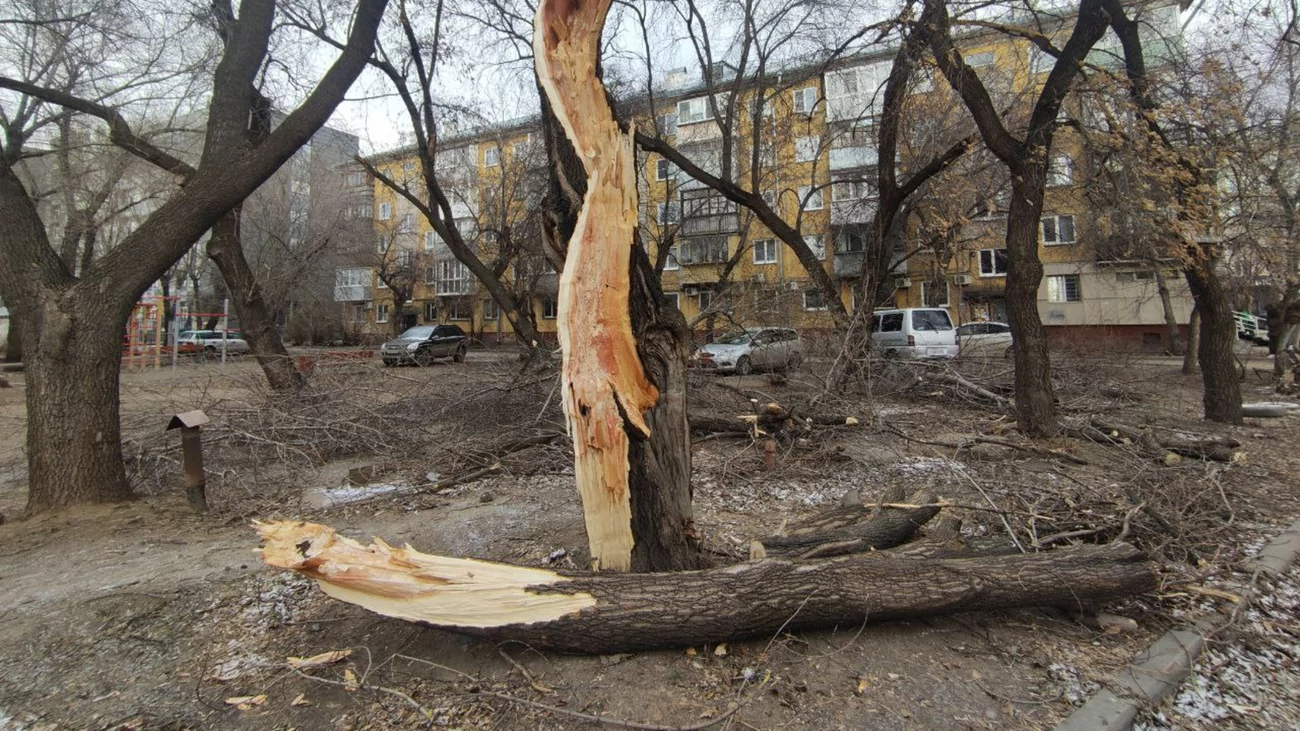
(848, 264)
(849, 212)
(352, 284)
(847, 158)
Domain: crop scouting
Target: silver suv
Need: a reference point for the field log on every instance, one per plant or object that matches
(757, 349)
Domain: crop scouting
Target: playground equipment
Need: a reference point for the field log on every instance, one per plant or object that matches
(144, 343)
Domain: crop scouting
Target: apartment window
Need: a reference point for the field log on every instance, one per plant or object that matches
(1129, 277)
(452, 277)
(765, 251)
(671, 264)
(1060, 171)
(381, 314)
(381, 246)
(668, 124)
(693, 110)
(403, 258)
(811, 199)
(408, 167)
(851, 190)
(385, 211)
(519, 151)
(806, 148)
(812, 300)
(935, 293)
(993, 262)
(363, 212)
(849, 242)
(460, 309)
(704, 250)
(430, 240)
(769, 197)
(705, 298)
(668, 213)
(379, 281)
(491, 311)
(976, 60)
(549, 310)
(664, 170)
(431, 275)
(492, 157)
(355, 179)
(805, 100)
(407, 223)
(672, 299)
(817, 245)
(1058, 230)
(430, 311)
(1063, 288)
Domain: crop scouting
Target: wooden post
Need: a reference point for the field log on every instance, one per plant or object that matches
(190, 423)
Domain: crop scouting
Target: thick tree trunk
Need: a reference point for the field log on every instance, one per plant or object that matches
(1167, 306)
(256, 321)
(14, 342)
(73, 360)
(618, 447)
(1219, 378)
(659, 466)
(1035, 400)
(1190, 354)
(607, 613)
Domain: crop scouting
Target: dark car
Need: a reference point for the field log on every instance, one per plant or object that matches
(423, 343)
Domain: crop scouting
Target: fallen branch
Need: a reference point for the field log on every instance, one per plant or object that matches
(607, 613)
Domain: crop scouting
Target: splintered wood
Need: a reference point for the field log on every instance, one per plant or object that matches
(418, 587)
(604, 385)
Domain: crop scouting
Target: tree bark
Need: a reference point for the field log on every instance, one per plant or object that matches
(607, 613)
(256, 321)
(1191, 353)
(72, 364)
(659, 466)
(1035, 399)
(1167, 306)
(14, 341)
(1218, 336)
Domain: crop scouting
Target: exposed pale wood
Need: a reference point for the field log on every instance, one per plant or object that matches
(605, 388)
(606, 613)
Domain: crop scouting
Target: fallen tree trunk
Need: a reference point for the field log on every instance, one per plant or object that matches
(607, 613)
(1217, 449)
(832, 535)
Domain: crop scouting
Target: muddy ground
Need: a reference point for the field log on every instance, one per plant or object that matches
(145, 616)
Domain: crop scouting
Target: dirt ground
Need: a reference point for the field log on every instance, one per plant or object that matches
(145, 616)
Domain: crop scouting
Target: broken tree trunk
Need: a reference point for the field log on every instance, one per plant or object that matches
(851, 529)
(607, 613)
(605, 388)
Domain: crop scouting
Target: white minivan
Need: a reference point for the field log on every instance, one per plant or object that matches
(918, 333)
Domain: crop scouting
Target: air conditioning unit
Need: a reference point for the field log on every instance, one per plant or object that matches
(902, 282)
(962, 280)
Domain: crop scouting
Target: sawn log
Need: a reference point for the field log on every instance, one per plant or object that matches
(606, 613)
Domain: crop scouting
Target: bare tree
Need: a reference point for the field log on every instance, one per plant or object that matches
(71, 325)
(1026, 156)
(410, 63)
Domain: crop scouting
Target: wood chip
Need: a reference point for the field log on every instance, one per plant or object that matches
(315, 661)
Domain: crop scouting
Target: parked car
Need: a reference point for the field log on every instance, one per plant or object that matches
(210, 342)
(422, 344)
(756, 349)
(919, 333)
(985, 339)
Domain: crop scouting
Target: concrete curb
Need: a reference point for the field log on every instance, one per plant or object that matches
(1157, 672)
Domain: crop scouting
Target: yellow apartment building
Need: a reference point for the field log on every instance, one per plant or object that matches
(816, 165)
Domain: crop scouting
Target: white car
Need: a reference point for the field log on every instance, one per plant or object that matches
(986, 339)
(210, 343)
(919, 333)
(756, 349)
